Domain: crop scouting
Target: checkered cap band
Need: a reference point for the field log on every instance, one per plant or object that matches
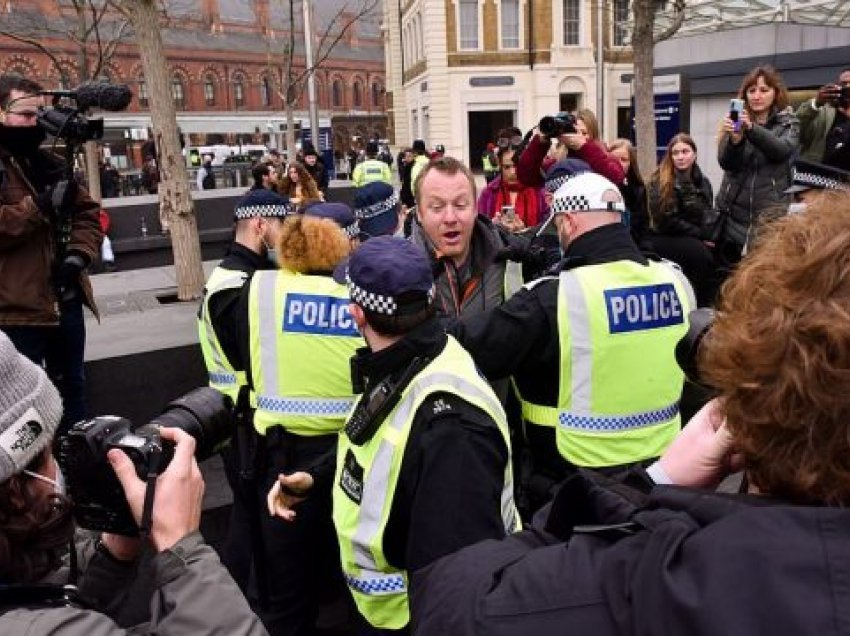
(819, 181)
(378, 208)
(353, 230)
(580, 203)
(378, 303)
(552, 185)
(250, 211)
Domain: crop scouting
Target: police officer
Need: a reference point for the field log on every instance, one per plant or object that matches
(591, 350)
(378, 210)
(258, 217)
(423, 467)
(373, 169)
(296, 338)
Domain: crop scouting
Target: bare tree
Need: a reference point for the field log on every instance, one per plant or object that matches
(294, 78)
(644, 39)
(94, 34)
(176, 205)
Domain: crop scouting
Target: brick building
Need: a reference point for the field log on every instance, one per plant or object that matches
(226, 68)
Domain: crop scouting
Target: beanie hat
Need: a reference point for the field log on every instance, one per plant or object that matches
(419, 146)
(30, 410)
(588, 192)
(262, 202)
(376, 204)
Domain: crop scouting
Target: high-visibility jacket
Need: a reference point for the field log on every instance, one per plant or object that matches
(367, 476)
(619, 383)
(419, 162)
(302, 337)
(487, 164)
(222, 375)
(371, 170)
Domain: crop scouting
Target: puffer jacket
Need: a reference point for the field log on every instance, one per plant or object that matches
(756, 172)
(27, 245)
(692, 211)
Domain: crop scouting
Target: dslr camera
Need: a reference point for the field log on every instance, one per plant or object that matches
(99, 501)
(556, 125)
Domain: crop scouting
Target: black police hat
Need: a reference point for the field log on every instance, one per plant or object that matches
(808, 175)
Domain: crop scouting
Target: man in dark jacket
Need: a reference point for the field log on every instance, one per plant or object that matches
(316, 167)
(608, 559)
(43, 257)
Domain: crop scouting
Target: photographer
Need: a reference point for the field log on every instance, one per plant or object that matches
(183, 589)
(825, 124)
(633, 557)
(43, 288)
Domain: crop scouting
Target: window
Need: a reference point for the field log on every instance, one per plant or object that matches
(510, 24)
(376, 96)
(239, 91)
(336, 96)
(569, 102)
(357, 94)
(209, 90)
(621, 22)
(572, 22)
(143, 93)
(468, 24)
(265, 93)
(178, 92)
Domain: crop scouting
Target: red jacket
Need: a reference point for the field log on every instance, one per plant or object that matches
(593, 152)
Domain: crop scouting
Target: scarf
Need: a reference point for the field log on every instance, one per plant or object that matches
(526, 202)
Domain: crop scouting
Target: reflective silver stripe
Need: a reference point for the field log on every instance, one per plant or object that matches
(319, 407)
(266, 304)
(513, 278)
(375, 491)
(222, 366)
(581, 350)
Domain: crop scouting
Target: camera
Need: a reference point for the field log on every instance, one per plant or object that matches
(557, 125)
(68, 123)
(99, 501)
(844, 96)
(700, 322)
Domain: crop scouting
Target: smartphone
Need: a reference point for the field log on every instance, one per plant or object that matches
(736, 107)
(509, 213)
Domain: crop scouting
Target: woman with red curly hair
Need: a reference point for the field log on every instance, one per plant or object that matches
(638, 556)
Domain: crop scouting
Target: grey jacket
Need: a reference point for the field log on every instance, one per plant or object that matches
(814, 126)
(757, 171)
(192, 594)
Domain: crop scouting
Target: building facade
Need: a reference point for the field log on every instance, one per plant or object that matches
(227, 68)
(459, 70)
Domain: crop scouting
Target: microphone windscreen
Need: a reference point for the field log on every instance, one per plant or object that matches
(112, 97)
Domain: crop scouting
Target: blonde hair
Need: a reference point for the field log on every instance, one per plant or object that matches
(309, 244)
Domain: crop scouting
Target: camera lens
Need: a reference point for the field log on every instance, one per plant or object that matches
(203, 413)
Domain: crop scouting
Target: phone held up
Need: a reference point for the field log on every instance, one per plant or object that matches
(509, 213)
(736, 107)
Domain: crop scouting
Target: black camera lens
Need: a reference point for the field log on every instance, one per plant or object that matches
(687, 349)
(203, 413)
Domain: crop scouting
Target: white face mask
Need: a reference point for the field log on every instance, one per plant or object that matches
(58, 483)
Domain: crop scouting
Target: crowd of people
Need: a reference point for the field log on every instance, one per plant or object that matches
(462, 412)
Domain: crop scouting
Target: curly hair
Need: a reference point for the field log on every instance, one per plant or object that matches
(34, 531)
(779, 354)
(309, 190)
(665, 174)
(773, 79)
(311, 245)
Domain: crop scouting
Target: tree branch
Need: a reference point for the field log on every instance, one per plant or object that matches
(37, 44)
(678, 20)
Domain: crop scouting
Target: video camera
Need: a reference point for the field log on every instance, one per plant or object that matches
(556, 125)
(700, 322)
(68, 122)
(99, 501)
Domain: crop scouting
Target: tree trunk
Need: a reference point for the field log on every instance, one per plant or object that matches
(93, 170)
(642, 46)
(175, 201)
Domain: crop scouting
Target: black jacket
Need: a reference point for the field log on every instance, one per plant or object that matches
(449, 490)
(519, 338)
(692, 563)
(690, 212)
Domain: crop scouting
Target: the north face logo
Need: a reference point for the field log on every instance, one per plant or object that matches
(18, 439)
(26, 436)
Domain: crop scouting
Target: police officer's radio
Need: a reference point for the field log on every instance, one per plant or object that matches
(377, 404)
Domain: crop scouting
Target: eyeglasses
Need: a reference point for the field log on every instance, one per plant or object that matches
(509, 142)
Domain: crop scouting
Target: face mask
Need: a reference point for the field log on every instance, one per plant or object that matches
(797, 208)
(58, 483)
(21, 140)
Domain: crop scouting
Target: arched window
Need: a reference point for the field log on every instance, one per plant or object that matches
(376, 96)
(142, 93)
(357, 95)
(209, 90)
(265, 92)
(178, 92)
(337, 94)
(239, 91)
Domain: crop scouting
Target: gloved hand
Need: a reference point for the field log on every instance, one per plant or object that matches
(68, 276)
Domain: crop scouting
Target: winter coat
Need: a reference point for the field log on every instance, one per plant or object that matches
(490, 194)
(692, 211)
(27, 243)
(815, 124)
(682, 562)
(189, 592)
(528, 168)
(756, 172)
